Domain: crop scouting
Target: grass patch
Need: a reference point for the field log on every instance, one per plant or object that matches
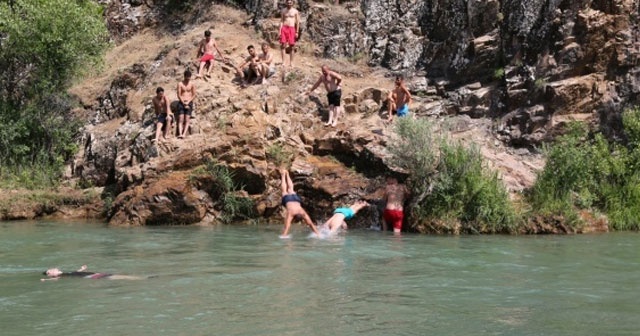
(228, 195)
(279, 155)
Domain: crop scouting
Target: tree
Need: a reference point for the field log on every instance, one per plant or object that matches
(44, 44)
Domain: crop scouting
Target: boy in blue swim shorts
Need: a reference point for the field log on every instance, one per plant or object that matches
(399, 99)
(340, 215)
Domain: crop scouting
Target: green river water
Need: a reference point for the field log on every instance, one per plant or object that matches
(244, 280)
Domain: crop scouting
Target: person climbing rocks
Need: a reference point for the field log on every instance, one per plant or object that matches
(164, 116)
(395, 195)
(398, 100)
(205, 54)
(186, 95)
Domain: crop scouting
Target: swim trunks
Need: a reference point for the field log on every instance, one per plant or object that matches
(290, 198)
(403, 111)
(347, 212)
(334, 97)
(188, 110)
(162, 118)
(207, 58)
(288, 35)
(249, 73)
(394, 217)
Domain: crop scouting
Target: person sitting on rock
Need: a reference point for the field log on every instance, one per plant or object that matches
(249, 69)
(266, 68)
(341, 215)
(399, 99)
(205, 54)
(56, 273)
(293, 204)
(164, 116)
(186, 95)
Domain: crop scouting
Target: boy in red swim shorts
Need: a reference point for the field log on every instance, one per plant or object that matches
(394, 195)
(289, 31)
(205, 53)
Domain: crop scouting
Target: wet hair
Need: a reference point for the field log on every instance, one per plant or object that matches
(44, 273)
(187, 73)
(207, 33)
(399, 77)
(159, 89)
(250, 47)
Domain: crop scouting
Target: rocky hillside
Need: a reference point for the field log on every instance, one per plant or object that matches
(504, 75)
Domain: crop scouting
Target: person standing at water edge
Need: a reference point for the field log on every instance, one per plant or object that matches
(399, 99)
(289, 31)
(186, 95)
(331, 81)
(394, 196)
(293, 205)
(163, 114)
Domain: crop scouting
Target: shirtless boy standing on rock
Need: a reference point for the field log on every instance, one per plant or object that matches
(289, 31)
(394, 195)
(331, 81)
(205, 48)
(163, 114)
(399, 99)
(186, 95)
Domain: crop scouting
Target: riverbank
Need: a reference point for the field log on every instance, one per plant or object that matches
(62, 203)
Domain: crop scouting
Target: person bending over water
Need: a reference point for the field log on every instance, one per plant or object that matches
(293, 204)
(340, 215)
(56, 273)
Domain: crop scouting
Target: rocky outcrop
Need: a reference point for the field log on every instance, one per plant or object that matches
(504, 75)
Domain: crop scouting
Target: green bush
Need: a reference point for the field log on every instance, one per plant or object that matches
(227, 194)
(449, 182)
(44, 44)
(585, 171)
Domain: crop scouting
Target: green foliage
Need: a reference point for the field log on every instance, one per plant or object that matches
(449, 181)
(43, 45)
(498, 73)
(540, 83)
(585, 171)
(231, 202)
(279, 155)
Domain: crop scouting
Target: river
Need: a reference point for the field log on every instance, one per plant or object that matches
(244, 280)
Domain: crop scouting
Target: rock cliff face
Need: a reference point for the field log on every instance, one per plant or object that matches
(505, 75)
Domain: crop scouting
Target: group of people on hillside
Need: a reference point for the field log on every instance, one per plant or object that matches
(258, 68)
(395, 194)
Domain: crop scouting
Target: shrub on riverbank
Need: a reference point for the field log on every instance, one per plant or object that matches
(44, 44)
(229, 198)
(453, 191)
(585, 171)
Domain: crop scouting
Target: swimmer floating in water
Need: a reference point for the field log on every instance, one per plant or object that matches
(55, 274)
(340, 215)
(292, 202)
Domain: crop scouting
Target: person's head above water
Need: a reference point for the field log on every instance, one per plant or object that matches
(52, 272)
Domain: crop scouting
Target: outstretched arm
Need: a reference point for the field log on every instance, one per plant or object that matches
(215, 45)
(309, 222)
(82, 268)
(315, 85)
(287, 224)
